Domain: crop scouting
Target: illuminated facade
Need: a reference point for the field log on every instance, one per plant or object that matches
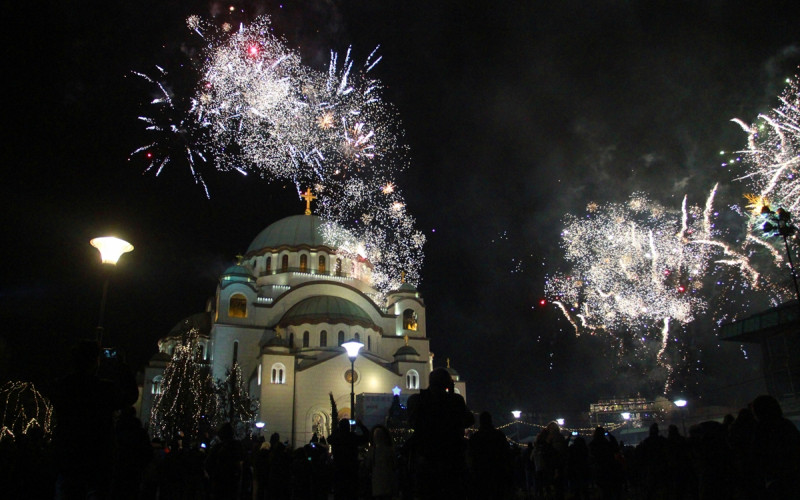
(282, 314)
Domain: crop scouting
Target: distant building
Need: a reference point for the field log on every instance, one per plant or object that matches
(778, 332)
(284, 311)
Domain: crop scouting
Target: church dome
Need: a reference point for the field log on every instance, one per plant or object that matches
(292, 231)
(326, 309)
(406, 350)
(237, 270)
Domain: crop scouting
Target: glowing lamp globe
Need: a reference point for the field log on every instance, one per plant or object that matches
(625, 415)
(560, 421)
(516, 413)
(352, 347)
(680, 403)
(260, 425)
(111, 248)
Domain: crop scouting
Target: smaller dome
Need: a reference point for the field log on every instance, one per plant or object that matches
(277, 342)
(238, 270)
(407, 287)
(327, 309)
(453, 373)
(406, 350)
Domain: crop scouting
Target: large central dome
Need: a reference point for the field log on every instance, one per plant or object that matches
(292, 231)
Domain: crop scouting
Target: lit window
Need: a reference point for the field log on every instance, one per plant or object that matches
(269, 265)
(237, 306)
(321, 266)
(303, 263)
(278, 374)
(284, 263)
(412, 379)
(323, 338)
(306, 336)
(157, 381)
(410, 320)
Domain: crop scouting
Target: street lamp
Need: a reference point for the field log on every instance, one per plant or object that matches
(352, 347)
(560, 422)
(681, 403)
(111, 249)
(516, 414)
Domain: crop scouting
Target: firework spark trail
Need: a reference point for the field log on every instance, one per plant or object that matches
(773, 150)
(639, 266)
(257, 108)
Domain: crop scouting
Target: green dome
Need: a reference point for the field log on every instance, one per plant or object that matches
(406, 350)
(326, 309)
(292, 231)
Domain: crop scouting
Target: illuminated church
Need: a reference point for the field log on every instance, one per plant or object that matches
(283, 312)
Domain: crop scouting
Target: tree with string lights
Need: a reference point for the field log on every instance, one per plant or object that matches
(234, 402)
(187, 403)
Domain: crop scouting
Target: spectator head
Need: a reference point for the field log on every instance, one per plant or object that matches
(767, 409)
(225, 431)
(85, 356)
(653, 429)
(440, 380)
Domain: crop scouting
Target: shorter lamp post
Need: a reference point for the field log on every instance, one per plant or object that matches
(516, 414)
(111, 249)
(352, 347)
(681, 403)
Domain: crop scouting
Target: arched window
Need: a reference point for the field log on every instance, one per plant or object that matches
(291, 339)
(306, 336)
(237, 306)
(157, 381)
(284, 263)
(338, 267)
(269, 265)
(235, 350)
(321, 265)
(410, 320)
(278, 375)
(323, 338)
(369, 343)
(412, 379)
(303, 263)
(357, 337)
(341, 337)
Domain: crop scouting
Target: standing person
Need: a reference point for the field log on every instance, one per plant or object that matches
(489, 461)
(224, 465)
(578, 472)
(345, 443)
(381, 463)
(83, 439)
(558, 458)
(543, 476)
(776, 449)
(439, 416)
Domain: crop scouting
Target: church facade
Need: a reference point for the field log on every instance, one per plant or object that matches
(282, 314)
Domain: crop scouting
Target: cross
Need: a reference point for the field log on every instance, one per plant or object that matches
(308, 196)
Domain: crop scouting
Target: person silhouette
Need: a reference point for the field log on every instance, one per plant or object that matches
(438, 417)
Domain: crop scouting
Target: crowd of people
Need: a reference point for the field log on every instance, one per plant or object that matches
(755, 455)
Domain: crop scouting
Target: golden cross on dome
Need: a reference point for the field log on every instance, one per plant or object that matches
(448, 362)
(402, 277)
(308, 196)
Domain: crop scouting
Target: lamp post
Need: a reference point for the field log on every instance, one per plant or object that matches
(681, 403)
(111, 249)
(516, 414)
(352, 347)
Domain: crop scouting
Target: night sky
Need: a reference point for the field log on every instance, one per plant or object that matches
(515, 114)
